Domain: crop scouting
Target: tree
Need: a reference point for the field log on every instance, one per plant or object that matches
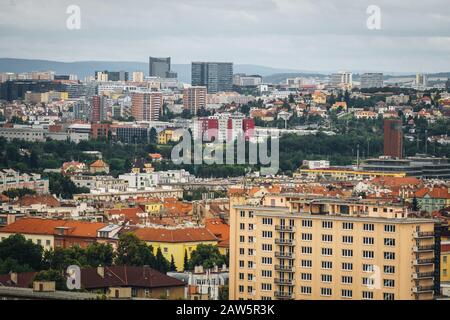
(207, 256)
(186, 261)
(415, 204)
(161, 263)
(224, 292)
(18, 193)
(52, 275)
(17, 249)
(134, 252)
(153, 136)
(99, 254)
(172, 266)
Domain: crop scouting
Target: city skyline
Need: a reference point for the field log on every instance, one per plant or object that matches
(299, 35)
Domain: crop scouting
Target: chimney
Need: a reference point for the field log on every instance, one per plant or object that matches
(101, 271)
(13, 276)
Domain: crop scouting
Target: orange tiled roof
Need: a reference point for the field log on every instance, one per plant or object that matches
(396, 181)
(29, 200)
(219, 228)
(175, 235)
(436, 193)
(98, 164)
(47, 227)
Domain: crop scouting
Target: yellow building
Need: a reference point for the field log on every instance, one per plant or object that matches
(176, 242)
(153, 207)
(445, 261)
(168, 135)
(288, 248)
(343, 174)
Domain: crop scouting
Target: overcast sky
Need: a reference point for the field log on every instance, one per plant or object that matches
(315, 35)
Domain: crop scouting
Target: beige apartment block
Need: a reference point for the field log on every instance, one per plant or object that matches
(297, 247)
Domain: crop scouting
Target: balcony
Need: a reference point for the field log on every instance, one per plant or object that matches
(424, 248)
(284, 268)
(423, 275)
(284, 282)
(284, 228)
(423, 289)
(284, 255)
(288, 242)
(424, 234)
(420, 262)
(284, 295)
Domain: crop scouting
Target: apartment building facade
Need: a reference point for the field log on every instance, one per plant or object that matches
(286, 247)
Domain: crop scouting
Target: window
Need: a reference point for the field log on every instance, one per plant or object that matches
(368, 240)
(347, 279)
(250, 264)
(388, 296)
(347, 225)
(327, 238)
(347, 266)
(250, 289)
(242, 226)
(347, 239)
(327, 251)
(47, 242)
(241, 289)
(367, 267)
(241, 239)
(267, 234)
(266, 247)
(368, 295)
(327, 264)
(306, 276)
(267, 221)
(390, 242)
(242, 213)
(241, 276)
(347, 253)
(306, 263)
(266, 273)
(326, 277)
(389, 283)
(307, 236)
(368, 254)
(305, 290)
(368, 281)
(368, 227)
(266, 286)
(241, 263)
(307, 223)
(266, 260)
(346, 293)
(327, 224)
(251, 252)
(325, 292)
(250, 277)
(241, 251)
(389, 255)
(307, 250)
(389, 228)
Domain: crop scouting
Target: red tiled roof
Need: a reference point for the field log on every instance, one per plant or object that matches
(114, 276)
(98, 164)
(175, 235)
(435, 193)
(219, 228)
(48, 226)
(29, 200)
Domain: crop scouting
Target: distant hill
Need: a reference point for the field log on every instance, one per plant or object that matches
(87, 68)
